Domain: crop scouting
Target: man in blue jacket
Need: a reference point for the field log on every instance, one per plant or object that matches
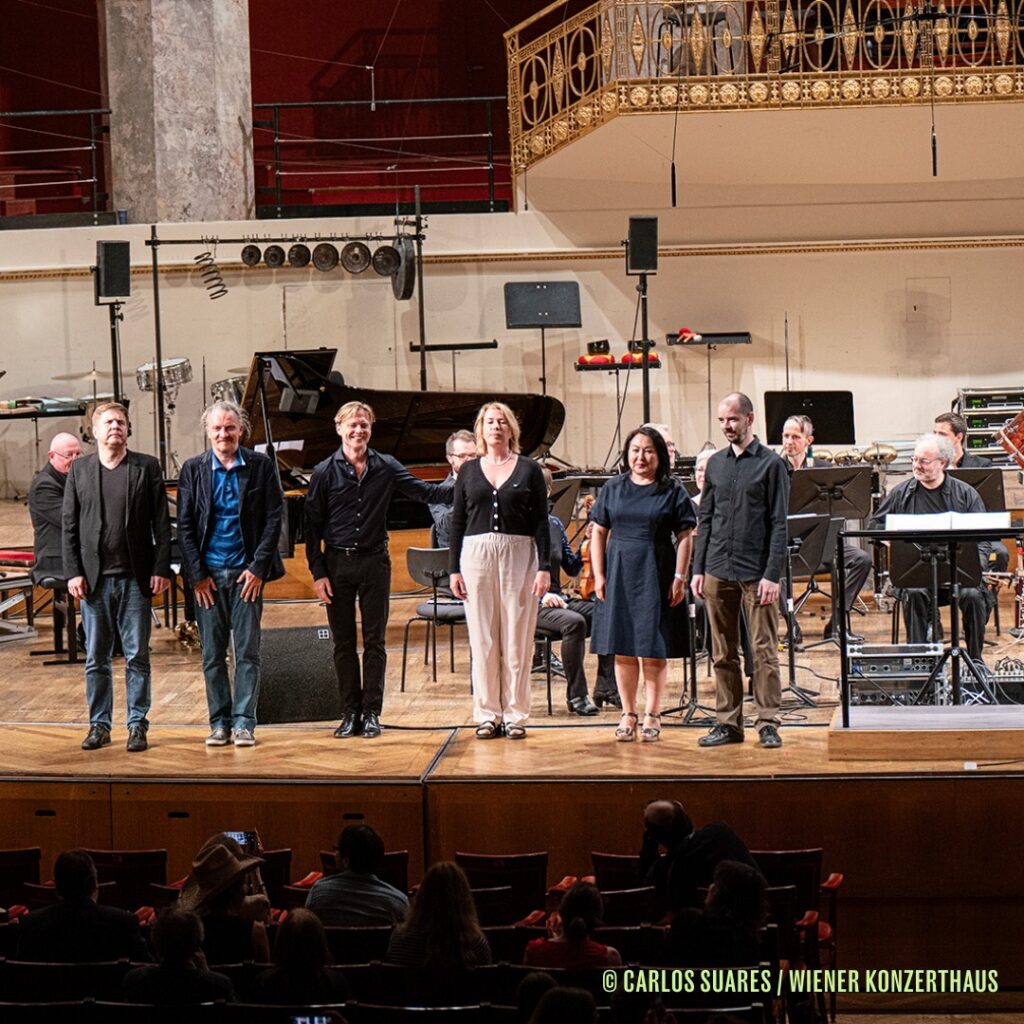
(229, 522)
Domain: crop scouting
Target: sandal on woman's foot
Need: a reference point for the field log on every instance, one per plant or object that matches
(515, 732)
(651, 733)
(488, 730)
(626, 733)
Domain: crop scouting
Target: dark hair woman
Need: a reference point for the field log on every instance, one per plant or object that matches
(442, 929)
(571, 943)
(300, 977)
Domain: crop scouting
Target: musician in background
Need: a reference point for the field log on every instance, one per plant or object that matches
(45, 500)
(797, 438)
(459, 448)
(347, 552)
(740, 549)
(933, 490)
(666, 432)
(229, 523)
(116, 534)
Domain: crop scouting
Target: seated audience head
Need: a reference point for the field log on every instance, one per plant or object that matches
(664, 467)
(217, 883)
(529, 993)
(360, 849)
(667, 821)
(459, 449)
(444, 913)
(64, 449)
(74, 875)
(737, 892)
(581, 911)
(496, 416)
(177, 936)
(301, 943)
(565, 1006)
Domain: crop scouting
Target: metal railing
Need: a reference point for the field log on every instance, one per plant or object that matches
(310, 157)
(637, 56)
(89, 172)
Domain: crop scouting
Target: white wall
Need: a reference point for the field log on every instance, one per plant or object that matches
(900, 328)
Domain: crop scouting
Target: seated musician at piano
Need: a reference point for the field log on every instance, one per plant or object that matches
(347, 553)
(954, 426)
(797, 438)
(933, 490)
(459, 448)
(45, 500)
(569, 619)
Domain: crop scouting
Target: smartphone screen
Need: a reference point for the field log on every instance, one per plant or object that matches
(247, 840)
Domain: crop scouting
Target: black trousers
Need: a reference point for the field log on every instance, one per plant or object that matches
(572, 625)
(858, 567)
(366, 578)
(917, 614)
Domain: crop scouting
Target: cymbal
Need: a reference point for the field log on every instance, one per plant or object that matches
(89, 375)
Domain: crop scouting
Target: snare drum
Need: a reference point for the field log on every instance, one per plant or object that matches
(175, 372)
(230, 389)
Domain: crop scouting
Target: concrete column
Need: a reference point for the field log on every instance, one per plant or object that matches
(179, 86)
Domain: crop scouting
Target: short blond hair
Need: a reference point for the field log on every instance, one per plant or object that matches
(107, 407)
(510, 419)
(350, 409)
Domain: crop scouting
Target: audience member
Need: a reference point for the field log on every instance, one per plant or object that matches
(565, 1006)
(216, 890)
(300, 976)
(691, 854)
(356, 896)
(530, 992)
(640, 1008)
(725, 932)
(77, 929)
(442, 929)
(572, 927)
(181, 978)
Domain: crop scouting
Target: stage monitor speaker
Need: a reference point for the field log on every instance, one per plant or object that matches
(298, 681)
(533, 304)
(113, 272)
(642, 249)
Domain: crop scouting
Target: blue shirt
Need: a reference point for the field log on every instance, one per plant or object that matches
(225, 547)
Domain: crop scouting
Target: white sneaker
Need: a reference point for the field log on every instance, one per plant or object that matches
(220, 737)
(244, 738)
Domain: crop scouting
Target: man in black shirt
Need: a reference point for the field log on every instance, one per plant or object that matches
(117, 556)
(45, 500)
(738, 559)
(933, 490)
(347, 552)
(458, 449)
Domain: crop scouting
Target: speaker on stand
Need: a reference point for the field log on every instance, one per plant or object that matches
(112, 283)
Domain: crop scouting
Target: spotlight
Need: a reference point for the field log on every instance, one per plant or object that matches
(325, 256)
(251, 255)
(298, 255)
(386, 260)
(273, 256)
(355, 257)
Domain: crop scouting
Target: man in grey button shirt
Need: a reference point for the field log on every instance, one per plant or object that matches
(355, 896)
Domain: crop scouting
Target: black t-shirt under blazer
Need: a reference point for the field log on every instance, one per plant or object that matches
(518, 507)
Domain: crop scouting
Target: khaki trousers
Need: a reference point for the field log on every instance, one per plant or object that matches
(723, 599)
(501, 613)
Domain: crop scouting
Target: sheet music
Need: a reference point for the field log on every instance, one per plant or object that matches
(948, 521)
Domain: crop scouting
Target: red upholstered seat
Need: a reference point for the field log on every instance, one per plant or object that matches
(11, 556)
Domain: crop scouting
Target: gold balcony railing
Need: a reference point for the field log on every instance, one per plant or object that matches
(638, 57)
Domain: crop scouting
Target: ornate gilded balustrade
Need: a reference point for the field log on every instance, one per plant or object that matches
(626, 57)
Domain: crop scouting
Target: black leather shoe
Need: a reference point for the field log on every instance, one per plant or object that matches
(581, 706)
(98, 737)
(371, 725)
(137, 741)
(719, 736)
(349, 726)
(608, 697)
(770, 737)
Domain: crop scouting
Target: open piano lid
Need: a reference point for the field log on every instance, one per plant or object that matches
(411, 425)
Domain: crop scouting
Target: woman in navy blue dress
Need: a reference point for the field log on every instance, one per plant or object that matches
(640, 553)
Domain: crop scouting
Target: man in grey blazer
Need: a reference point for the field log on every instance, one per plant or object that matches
(117, 542)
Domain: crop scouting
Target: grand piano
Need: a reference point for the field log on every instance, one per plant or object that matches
(295, 394)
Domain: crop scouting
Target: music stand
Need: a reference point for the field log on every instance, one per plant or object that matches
(542, 304)
(830, 411)
(805, 544)
(988, 482)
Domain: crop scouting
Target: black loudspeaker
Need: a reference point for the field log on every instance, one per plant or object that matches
(642, 250)
(542, 304)
(297, 683)
(113, 271)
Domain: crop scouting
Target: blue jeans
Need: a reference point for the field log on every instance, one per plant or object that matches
(117, 606)
(231, 619)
